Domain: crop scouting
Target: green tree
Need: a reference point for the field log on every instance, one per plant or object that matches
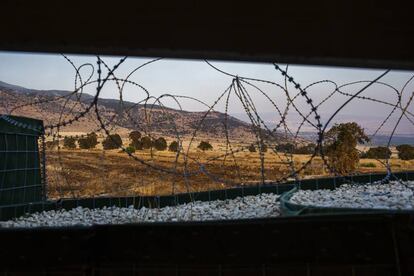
(378, 153)
(405, 152)
(147, 142)
(69, 142)
(88, 142)
(173, 146)
(160, 144)
(340, 146)
(112, 141)
(205, 146)
(135, 138)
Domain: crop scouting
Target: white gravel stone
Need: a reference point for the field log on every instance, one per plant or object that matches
(393, 195)
(260, 206)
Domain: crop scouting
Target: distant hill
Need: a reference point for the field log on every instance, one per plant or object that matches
(370, 122)
(166, 121)
(382, 140)
(378, 140)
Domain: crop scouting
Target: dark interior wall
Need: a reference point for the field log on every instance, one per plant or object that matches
(350, 33)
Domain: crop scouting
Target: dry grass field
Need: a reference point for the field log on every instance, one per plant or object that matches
(85, 173)
(96, 172)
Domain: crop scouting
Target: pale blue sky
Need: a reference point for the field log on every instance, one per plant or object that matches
(195, 78)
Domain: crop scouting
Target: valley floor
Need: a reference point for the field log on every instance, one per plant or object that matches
(86, 173)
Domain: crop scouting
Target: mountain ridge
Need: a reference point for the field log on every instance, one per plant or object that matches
(163, 120)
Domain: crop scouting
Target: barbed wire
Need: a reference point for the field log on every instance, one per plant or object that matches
(150, 114)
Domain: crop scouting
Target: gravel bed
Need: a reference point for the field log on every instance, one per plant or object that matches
(263, 205)
(394, 195)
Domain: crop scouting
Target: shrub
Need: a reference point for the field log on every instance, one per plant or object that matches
(112, 141)
(252, 148)
(205, 146)
(173, 146)
(69, 142)
(405, 152)
(378, 153)
(130, 149)
(88, 142)
(160, 144)
(368, 165)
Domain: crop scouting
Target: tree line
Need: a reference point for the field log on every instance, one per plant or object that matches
(339, 146)
(114, 141)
